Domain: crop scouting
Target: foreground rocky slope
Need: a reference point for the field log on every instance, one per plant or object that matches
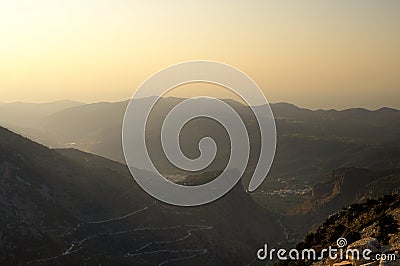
(374, 224)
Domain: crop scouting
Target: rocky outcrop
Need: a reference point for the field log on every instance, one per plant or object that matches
(373, 225)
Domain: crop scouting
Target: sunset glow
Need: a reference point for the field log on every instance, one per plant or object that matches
(315, 54)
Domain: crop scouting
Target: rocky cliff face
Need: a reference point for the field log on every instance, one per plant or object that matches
(347, 185)
(343, 187)
(345, 181)
(374, 224)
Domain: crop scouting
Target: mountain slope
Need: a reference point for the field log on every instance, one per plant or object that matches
(67, 207)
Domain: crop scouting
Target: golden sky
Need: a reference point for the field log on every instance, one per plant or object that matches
(316, 54)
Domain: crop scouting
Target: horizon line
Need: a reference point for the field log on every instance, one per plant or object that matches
(272, 103)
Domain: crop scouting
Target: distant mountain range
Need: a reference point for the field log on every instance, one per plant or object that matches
(96, 128)
(67, 207)
(310, 143)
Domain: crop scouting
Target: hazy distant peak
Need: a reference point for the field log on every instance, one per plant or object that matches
(286, 106)
(72, 102)
(387, 109)
(24, 114)
(66, 102)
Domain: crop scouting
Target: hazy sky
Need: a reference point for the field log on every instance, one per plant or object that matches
(315, 54)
